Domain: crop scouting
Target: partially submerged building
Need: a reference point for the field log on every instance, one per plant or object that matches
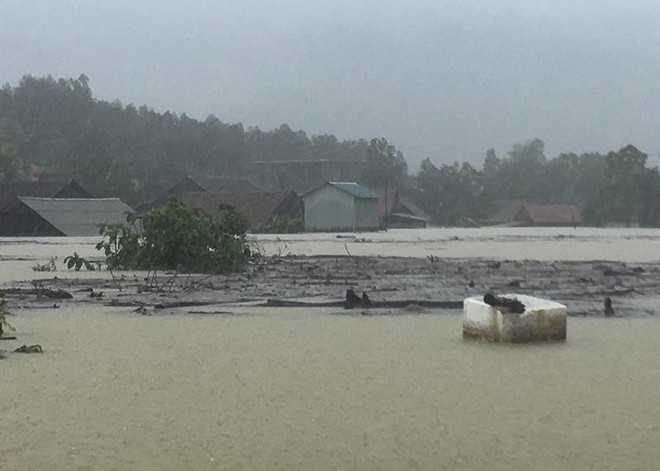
(257, 207)
(301, 175)
(55, 189)
(548, 215)
(44, 217)
(201, 184)
(211, 184)
(341, 206)
(395, 211)
(521, 213)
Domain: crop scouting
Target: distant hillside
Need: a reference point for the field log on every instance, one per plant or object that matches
(56, 129)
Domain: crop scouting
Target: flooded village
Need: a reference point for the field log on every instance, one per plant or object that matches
(313, 235)
(265, 368)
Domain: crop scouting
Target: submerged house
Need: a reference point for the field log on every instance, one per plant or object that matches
(44, 217)
(341, 206)
(211, 184)
(521, 213)
(55, 189)
(548, 215)
(396, 211)
(257, 207)
(201, 184)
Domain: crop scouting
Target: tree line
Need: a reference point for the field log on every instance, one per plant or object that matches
(60, 130)
(613, 188)
(135, 152)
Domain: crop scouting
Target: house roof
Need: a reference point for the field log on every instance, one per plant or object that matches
(10, 191)
(508, 209)
(222, 184)
(552, 213)
(355, 189)
(414, 209)
(257, 207)
(390, 203)
(78, 216)
(352, 188)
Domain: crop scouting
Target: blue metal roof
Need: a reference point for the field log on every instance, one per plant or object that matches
(355, 189)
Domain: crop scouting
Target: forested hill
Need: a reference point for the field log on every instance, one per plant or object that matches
(58, 129)
(135, 153)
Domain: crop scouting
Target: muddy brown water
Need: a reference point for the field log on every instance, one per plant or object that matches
(309, 389)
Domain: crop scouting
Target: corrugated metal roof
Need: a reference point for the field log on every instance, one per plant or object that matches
(355, 189)
(78, 216)
(352, 188)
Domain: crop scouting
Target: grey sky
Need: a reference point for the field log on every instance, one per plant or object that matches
(438, 78)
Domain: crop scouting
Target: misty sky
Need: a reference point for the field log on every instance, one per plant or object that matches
(438, 78)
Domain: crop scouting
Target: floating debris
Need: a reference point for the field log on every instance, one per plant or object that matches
(609, 310)
(29, 349)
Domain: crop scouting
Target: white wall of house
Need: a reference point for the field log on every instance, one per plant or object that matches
(331, 209)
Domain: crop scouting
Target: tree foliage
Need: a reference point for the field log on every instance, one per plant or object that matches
(58, 128)
(385, 166)
(615, 188)
(132, 152)
(3, 313)
(453, 194)
(175, 237)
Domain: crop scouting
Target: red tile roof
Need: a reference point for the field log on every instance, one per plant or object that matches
(549, 214)
(223, 184)
(257, 207)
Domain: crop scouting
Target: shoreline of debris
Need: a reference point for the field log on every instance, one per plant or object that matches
(391, 282)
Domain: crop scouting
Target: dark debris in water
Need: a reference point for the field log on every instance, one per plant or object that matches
(393, 281)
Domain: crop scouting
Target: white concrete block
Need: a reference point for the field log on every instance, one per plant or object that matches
(543, 320)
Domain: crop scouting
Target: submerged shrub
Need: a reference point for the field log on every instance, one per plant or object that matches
(3, 313)
(76, 262)
(49, 266)
(176, 237)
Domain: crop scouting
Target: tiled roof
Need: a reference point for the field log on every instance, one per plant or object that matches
(78, 216)
(552, 213)
(257, 207)
(507, 211)
(224, 184)
(414, 209)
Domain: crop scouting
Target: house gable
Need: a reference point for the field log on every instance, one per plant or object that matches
(72, 216)
(341, 206)
(257, 207)
(549, 215)
(55, 189)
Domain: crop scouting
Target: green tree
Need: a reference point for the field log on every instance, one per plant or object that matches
(11, 165)
(451, 194)
(619, 198)
(385, 166)
(175, 237)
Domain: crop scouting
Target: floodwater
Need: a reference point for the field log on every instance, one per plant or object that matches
(534, 243)
(309, 389)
